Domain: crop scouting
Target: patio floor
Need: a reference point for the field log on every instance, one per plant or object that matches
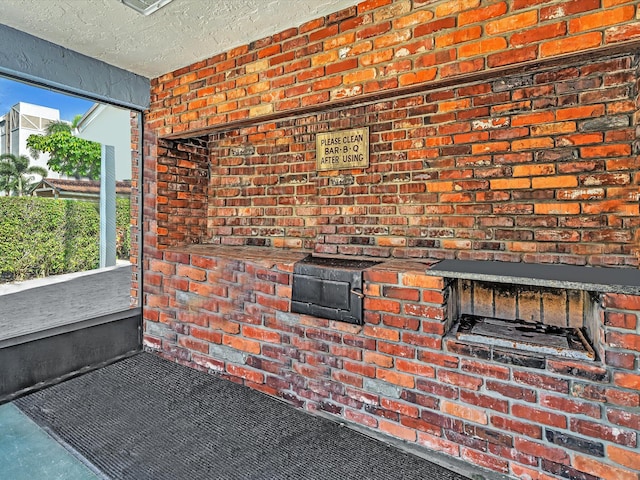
(146, 418)
(45, 304)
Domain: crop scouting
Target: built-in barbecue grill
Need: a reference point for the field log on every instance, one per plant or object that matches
(329, 288)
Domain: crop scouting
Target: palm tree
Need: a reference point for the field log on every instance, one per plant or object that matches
(61, 126)
(16, 175)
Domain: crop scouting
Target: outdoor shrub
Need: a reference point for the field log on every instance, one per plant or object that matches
(81, 236)
(43, 236)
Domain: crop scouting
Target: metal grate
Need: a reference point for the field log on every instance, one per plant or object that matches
(525, 336)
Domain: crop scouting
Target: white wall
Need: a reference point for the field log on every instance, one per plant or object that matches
(110, 126)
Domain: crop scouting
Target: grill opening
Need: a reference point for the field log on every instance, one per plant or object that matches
(535, 319)
(329, 288)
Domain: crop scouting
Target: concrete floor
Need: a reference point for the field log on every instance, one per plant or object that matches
(43, 304)
(27, 452)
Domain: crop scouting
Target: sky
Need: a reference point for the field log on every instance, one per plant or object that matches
(12, 92)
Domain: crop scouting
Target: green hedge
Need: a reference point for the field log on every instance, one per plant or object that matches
(43, 236)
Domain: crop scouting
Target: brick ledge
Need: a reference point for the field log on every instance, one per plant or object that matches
(606, 280)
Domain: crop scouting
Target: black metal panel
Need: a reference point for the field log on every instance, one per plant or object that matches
(329, 288)
(48, 359)
(325, 293)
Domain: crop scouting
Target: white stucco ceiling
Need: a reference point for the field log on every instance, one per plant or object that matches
(181, 33)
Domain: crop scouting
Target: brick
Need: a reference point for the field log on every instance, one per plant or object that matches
(396, 350)
(247, 374)
(416, 18)
(400, 379)
(485, 370)
(378, 359)
(418, 76)
(192, 273)
(192, 344)
(260, 334)
(622, 302)
(423, 281)
(207, 335)
(415, 368)
(600, 19)
(419, 399)
(541, 451)
(419, 424)
(602, 470)
(626, 458)
(482, 14)
(626, 341)
(399, 407)
(518, 21)
(568, 8)
(539, 416)
(482, 47)
(570, 44)
(361, 418)
(538, 34)
(485, 460)
(510, 183)
(208, 362)
(401, 293)
(516, 426)
(620, 360)
(436, 388)
(620, 150)
(574, 443)
(532, 118)
(227, 326)
(484, 401)
(586, 111)
(604, 432)
(450, 8)
(513, 56)
(525, 472)
(622, 33)
(465, 412)
(557, 208)
(567, 405)
(599, 393)
(457, 36)
(404, 323)
(564, 471)
(438, 444)
(396, 430)
(460, 380)
(239, 343)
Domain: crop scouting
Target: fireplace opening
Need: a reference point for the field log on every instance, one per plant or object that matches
(530, 337)
(532, 319)
(329, 288)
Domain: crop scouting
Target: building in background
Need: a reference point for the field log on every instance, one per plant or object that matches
(71, 189)
(109, 125)
(22, 120)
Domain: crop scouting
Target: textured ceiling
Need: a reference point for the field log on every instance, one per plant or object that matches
(181, 33)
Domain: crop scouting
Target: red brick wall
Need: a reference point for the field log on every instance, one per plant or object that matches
(381, 45)
(499, 131)
(475, 162)
(536, 167)
(227, 312)
(181, 195)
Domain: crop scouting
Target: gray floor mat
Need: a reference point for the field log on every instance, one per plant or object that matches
(146, 418)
